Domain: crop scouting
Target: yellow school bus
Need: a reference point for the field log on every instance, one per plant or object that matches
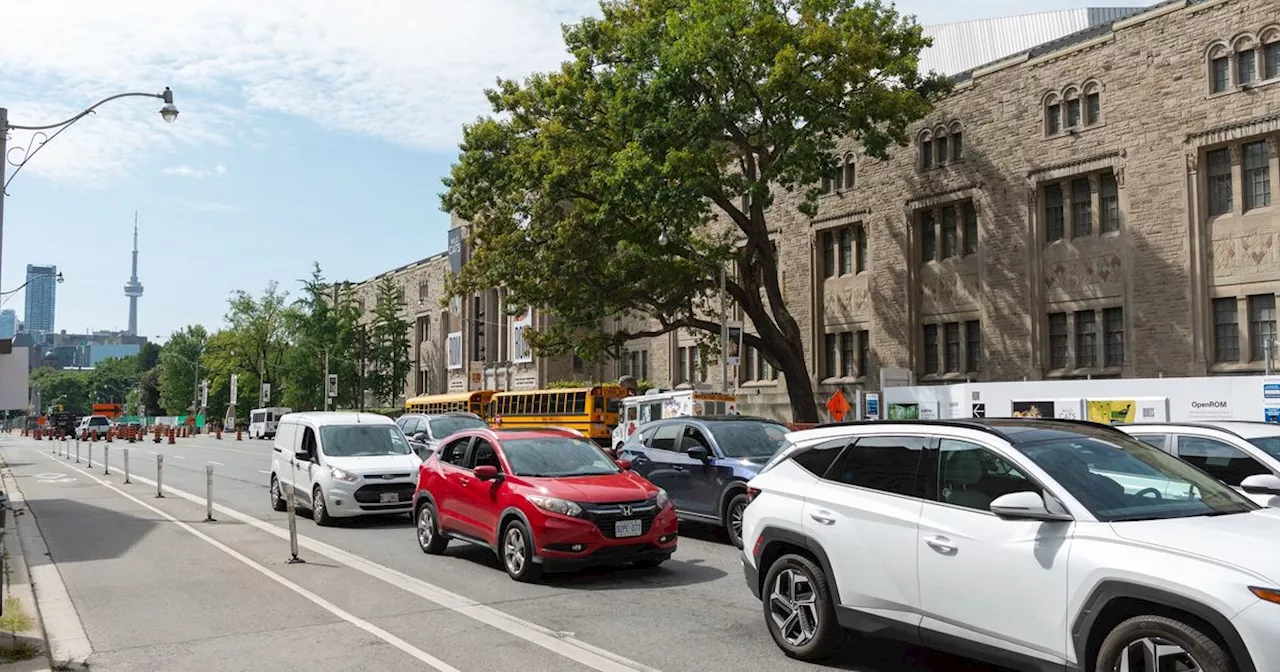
(467, 402)
(590, 410)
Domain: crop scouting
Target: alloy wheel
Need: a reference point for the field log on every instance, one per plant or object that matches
(793, 605)
(425, 525)
(1156, 654)
(317, 505)
(513, 550)
(735, 521)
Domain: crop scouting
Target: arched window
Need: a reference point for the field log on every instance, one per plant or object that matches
(1072, 107)
(1270, 39)
(924, 145)
(1092, 103)
(941, 146)
(956, 132)
(849, 171)
(1218, 62)
(1052, 114)
(1246, 54)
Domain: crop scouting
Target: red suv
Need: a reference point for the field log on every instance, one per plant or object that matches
(542, 500)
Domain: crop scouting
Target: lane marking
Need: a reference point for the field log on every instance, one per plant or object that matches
(332, 608)
(217, 463)
(178, 457)
(552, 640)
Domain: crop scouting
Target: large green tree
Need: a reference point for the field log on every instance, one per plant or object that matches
(325, 320)
(69, 388)
(177, 368)
(113, 379)
(623, 182)
(261, 338)
(390, 360)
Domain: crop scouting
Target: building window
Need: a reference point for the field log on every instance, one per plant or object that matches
(950, 240)
(829, 254)
(1226, 330)
(846, 251)
(926, 152)
(1113, 337)
(832, 356)
(970, 228)
(1081, 208)
(940, 146)
(928, 237)
(1248, 60)
(757, 368)
(684, 364)
(1109, 201)
(1058, 341)
(1092, 105)
(1262, 326)
(1086, 340)
(635, 363)
(1219, 74)
(1053, 116)
(1257, 175)
(957, 143)
(930, 348)
(973, 346)
(860, 248)
(849, 171)
(864, 352)
(1054, 221)
(1073, 113)
(951, 355)
(1272, 56)
(1219, 181)
(846, 355)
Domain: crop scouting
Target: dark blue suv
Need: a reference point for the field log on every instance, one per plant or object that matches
(704, 463)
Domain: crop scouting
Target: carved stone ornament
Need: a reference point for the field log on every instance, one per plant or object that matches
(1118, 171)
(1273, 144)
(1235, 154)
(1193, 161)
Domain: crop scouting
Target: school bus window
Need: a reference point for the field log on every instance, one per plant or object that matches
(597, 404)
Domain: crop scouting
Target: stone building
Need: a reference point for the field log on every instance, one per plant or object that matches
(1099, 205)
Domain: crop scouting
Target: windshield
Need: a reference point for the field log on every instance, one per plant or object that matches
(1119, 478)
(362, 440)
(446, 425)
(745, 438)
(1269, 445)
(550, 456)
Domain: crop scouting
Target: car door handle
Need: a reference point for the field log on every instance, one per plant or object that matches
(940, 544)
(823, 517)
(677, 467)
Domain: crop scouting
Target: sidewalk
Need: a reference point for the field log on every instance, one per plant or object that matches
(23, 634)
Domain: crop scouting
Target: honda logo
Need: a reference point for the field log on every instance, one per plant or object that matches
(626, 509)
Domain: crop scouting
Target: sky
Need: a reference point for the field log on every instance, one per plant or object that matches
(309, 131)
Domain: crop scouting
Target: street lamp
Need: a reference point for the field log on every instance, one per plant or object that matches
(19, 156)
(13, 292)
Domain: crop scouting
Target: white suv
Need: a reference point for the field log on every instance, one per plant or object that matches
(1244, 455)
(1034, 544)
(343, 464)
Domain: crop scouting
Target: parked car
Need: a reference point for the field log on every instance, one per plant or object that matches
(1244, 455)
(90, 424)
(342, 464)
(704, 463)
(425, 431)
(1009, 540)
(542, 500)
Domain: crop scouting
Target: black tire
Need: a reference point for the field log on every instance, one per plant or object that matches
(277, 499)
(1203, 649)
(516, 535)
(320, 512)
(428, 530)
(826, 635)
(733, 517)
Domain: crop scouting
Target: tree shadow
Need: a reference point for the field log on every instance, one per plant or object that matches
(79, 532)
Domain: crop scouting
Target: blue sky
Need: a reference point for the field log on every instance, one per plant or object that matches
(309, 131)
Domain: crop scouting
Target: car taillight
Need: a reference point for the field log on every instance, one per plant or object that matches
(751, 494)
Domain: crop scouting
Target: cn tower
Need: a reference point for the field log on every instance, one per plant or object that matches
(133, 288)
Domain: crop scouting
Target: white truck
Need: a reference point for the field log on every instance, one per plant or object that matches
(657, 404)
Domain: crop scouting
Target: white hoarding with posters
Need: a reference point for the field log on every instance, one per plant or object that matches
(14, 380)
(520, 352)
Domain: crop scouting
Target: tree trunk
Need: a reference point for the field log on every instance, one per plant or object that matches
(804, 407)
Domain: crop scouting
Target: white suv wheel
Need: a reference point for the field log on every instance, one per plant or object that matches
(793, 606)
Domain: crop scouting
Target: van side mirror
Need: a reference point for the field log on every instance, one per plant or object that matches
(302, 455)
(1261, 484)
(1026, 506)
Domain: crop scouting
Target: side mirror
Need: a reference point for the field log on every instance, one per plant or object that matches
(302, 455)
(1025, 506)
(420, 437)
(1261, 484)
(699, 453)
(486, 472)
(625, 464)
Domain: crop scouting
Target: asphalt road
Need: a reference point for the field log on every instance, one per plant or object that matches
(694, 613)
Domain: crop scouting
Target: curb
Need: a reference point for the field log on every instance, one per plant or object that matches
(57, 625)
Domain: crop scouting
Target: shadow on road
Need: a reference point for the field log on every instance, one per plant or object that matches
(865, 654)
(79, 532)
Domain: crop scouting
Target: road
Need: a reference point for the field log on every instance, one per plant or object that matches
(692, 614)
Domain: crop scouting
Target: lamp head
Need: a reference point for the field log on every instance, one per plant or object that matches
(169, 112)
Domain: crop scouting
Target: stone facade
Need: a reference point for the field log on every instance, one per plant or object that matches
(1098, 206)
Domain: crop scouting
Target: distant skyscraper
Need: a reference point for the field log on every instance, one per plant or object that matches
(41, 298)
(133, 288)
(8, 323)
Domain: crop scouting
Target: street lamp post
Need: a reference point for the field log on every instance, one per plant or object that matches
(40, 138)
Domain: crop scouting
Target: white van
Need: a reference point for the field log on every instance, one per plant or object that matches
(343, 464)
(263, 421)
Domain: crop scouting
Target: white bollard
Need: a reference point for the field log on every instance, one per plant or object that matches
(159, 476)
(90, 455)
(126, 466)
(77, 452)
(293, 527)
(106, 460)
(208, 493)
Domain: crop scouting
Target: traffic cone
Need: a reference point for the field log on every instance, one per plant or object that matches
(171, 437)
(219, 433)
(238, 437)
(109, 436)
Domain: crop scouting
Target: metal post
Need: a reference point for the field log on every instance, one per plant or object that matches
(159, 476)
(1267, 346)
(4, 139)
(724, 336)
(326, 379)
(291, 505)
(91, 456)
(77, 447)
(208, 493)
(363, 337)
(77, 452)
(106, 460)
(126, 466)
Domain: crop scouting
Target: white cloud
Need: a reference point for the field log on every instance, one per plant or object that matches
(211, 206)
(184, 170)
(411, 72)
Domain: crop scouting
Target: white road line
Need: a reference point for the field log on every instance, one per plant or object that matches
(179, 457)
(154, 452)
(332, 608)
(217, 463)
(572, 648)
